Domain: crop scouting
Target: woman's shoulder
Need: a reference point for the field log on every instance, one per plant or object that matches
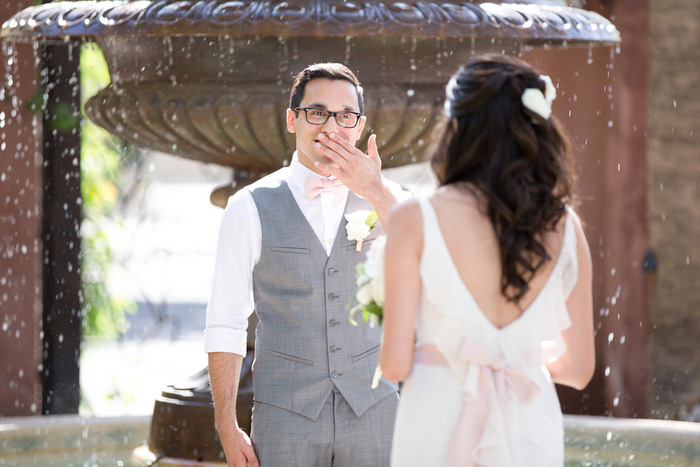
(582, 248)
(406, 207)
(464, 193)
(462, 203)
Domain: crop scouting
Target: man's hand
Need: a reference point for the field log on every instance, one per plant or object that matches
(237, 446)
(360, 172)
(224, 374)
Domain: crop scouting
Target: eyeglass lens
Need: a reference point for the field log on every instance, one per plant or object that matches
(319, 117)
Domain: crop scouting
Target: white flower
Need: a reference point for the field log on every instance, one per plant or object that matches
(374, 268)
(377, 287)
(370, 282)
(364, 294)
(550, 92)
(534, 100)
(538, 102)
(357, 231)
(374, 265)
(357, 227)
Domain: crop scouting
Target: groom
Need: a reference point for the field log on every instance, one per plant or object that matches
(283, 251)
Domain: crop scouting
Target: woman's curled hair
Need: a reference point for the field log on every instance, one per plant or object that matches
(516, 159)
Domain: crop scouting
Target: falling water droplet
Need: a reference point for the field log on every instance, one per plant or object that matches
(607, 371)
(611, 336)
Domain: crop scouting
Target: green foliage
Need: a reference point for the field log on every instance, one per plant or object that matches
(372, 220)
(63, 118)
(101, 163)
(35, 104)
(372, 309)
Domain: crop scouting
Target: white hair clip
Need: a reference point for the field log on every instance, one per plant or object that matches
(540, 103)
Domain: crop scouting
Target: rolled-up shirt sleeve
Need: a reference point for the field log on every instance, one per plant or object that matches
(231, 298)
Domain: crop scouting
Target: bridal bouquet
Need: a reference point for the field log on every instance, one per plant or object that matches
(370, 285)
(370, 292)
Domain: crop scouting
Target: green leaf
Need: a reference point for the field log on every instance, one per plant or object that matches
(374, 309)
(371, 220)
(35, 104)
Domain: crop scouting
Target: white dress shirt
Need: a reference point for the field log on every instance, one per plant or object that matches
(238, 251)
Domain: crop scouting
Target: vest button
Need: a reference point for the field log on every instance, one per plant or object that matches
(331, 271)
(333, 322)
(335, 374)
(332, 296)
(334, 348)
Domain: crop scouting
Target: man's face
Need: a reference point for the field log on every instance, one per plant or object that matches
(334, 96)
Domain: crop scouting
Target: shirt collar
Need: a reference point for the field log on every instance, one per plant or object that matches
(298, 173)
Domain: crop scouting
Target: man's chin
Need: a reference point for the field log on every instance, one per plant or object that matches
(309, 163)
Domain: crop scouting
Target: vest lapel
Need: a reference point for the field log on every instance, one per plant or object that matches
(289, 198)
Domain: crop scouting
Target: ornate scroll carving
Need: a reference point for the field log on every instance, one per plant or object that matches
(545, 23)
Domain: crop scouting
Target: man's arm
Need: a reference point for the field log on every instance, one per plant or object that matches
(360, 172)
(224, 376)
(230, 304)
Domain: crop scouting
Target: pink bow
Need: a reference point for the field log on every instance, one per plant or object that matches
(473, 417)
(316, 186)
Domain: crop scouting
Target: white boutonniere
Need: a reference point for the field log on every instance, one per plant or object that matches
(360, 223)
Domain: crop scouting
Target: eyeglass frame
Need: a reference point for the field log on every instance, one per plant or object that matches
(330, 114)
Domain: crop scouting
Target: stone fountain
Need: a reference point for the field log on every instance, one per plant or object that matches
(209, 80)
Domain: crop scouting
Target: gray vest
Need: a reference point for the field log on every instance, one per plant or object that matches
(304, 343)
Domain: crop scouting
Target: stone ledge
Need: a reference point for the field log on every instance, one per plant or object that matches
(63, 439)
(593, 441)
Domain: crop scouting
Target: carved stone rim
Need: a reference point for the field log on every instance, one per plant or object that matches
(413, 18)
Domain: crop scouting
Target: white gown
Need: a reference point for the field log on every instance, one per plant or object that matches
(503, 425)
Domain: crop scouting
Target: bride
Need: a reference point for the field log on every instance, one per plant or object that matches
(488, 282)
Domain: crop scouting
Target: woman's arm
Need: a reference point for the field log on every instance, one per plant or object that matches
(575, 368)
(404, 246)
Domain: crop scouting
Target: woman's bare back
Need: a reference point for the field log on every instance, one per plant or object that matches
(473, 246)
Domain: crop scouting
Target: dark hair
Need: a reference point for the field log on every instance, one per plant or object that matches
(323, 70)
(518, 160)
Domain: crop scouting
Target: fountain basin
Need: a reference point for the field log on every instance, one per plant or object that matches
(208, 79)
(590, 441)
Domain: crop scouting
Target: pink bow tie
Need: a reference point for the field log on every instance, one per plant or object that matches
(316, 186)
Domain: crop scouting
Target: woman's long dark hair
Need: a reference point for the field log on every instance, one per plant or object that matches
(515, 158)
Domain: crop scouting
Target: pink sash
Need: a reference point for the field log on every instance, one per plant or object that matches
(467, 444)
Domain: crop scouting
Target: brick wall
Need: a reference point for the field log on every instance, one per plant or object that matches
(673, 158)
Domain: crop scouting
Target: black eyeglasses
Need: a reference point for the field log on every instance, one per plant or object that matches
(315, 116)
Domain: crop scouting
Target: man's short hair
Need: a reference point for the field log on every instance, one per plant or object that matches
(323, 70)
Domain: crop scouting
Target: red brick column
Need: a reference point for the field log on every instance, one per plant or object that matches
(20, 234)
